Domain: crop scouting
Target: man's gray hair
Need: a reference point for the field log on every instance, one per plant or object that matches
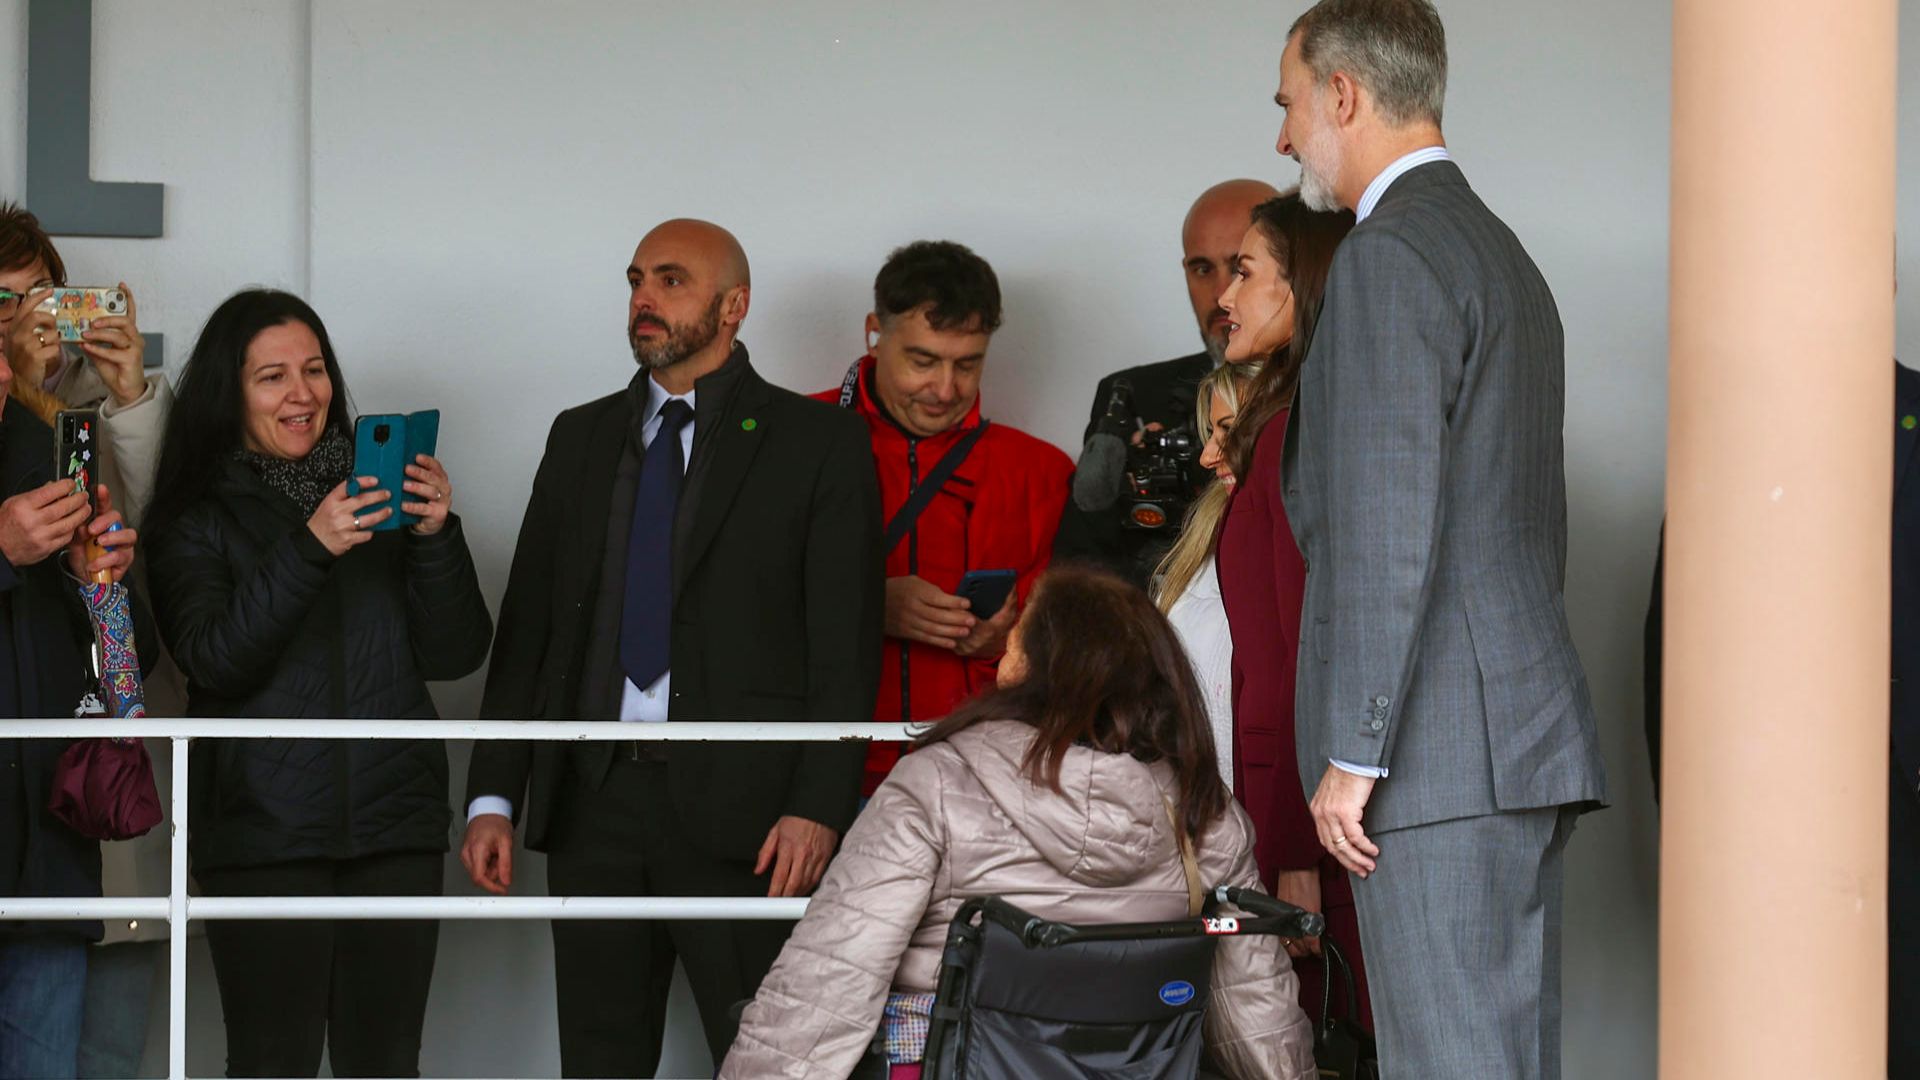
(1397, 49)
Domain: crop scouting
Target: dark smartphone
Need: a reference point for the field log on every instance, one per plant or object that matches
(987, 590)
(76, 451)
(383, 447)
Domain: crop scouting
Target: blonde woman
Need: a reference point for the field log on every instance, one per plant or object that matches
(1188, 590)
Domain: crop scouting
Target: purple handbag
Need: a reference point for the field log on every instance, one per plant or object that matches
(103, 789)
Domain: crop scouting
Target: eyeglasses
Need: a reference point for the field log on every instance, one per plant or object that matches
(10, 300)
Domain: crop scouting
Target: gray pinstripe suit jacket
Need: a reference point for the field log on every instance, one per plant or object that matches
(1425, 484)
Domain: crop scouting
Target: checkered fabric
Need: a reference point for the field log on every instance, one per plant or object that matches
(905, 1019)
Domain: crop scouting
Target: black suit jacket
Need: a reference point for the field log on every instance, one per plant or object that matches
(777, 608)
(1906, 580)
(1163, 394)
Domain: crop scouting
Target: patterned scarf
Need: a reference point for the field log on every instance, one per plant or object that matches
(305, 480)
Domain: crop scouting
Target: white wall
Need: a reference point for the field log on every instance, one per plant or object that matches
(458, 185)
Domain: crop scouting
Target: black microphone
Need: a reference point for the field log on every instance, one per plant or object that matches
(1101, 474)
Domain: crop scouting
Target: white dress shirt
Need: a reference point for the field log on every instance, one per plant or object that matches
(1369, 199)
(647, 705)
(1199, 617)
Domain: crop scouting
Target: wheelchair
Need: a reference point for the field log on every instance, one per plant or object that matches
(1023, 997)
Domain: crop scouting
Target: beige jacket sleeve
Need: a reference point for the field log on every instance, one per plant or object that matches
(818, 1009)
(1255, 1028)
(130, 445)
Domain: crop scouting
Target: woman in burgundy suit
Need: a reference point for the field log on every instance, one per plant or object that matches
(1279, 276)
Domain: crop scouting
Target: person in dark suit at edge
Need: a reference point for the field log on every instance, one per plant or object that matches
(698, 546)
(1903, 796)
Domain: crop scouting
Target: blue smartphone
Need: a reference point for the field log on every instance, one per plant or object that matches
(383, 447)
(987, 590)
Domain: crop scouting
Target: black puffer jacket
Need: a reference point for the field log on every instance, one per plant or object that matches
(265, 622)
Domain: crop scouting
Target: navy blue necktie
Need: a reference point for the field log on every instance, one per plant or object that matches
(646, 616)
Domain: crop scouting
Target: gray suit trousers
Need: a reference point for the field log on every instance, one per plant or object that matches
(1461, 927)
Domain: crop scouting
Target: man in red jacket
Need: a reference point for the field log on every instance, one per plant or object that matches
(993, 494)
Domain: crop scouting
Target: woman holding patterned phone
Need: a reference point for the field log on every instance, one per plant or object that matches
(278, 599)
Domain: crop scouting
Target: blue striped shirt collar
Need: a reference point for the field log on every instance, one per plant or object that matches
(1371, 197)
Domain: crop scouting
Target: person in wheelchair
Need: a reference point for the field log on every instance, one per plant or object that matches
(1067, 791)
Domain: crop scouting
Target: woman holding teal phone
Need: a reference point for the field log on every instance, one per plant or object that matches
(278, 598)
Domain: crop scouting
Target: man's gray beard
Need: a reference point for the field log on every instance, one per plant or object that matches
(1316, 191)
(681, 342)
(1316, 184)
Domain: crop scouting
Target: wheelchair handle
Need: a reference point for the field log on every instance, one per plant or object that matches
(1307, 923)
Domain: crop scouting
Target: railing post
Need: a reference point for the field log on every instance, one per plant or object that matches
(177, 917)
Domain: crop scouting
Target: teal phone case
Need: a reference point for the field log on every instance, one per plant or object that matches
(383, 446)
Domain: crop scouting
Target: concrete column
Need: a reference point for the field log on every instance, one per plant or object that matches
(1779, 480)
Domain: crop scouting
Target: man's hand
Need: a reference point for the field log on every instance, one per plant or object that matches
(115, 550)
(119, 353)
(918, 611)
(1139, 437)
(1301, 888)
(1337, 806)
(989, 639)
(487, 852)
(35, 524)
(798, 851)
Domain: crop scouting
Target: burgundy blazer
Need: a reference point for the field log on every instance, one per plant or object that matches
(1263, 582)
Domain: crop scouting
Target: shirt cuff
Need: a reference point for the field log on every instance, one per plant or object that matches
(489, 804)
(1373, 772)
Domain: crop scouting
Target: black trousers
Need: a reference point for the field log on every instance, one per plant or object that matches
(358, 987)
(612, 977)
(1903, 929)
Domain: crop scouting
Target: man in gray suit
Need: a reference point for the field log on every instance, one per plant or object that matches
(1445, 730)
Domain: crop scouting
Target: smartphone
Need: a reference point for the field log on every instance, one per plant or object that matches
(75, 451)
(987, 590)
(74, 307)
(383, 447)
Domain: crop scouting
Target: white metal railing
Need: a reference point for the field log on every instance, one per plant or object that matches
(178, 908)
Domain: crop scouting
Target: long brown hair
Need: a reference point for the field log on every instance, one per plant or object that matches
(1302, 241)
(23, 242)
(1104, 668)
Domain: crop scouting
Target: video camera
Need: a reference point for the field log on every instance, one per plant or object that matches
(1158, 483)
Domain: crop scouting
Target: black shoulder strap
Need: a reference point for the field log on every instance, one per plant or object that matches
(903, 519)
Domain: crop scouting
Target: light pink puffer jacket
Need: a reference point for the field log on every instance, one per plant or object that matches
(958, 820)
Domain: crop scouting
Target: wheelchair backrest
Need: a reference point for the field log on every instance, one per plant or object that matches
(1084, 1010)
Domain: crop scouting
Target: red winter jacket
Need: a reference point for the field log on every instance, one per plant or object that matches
(998, 512)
